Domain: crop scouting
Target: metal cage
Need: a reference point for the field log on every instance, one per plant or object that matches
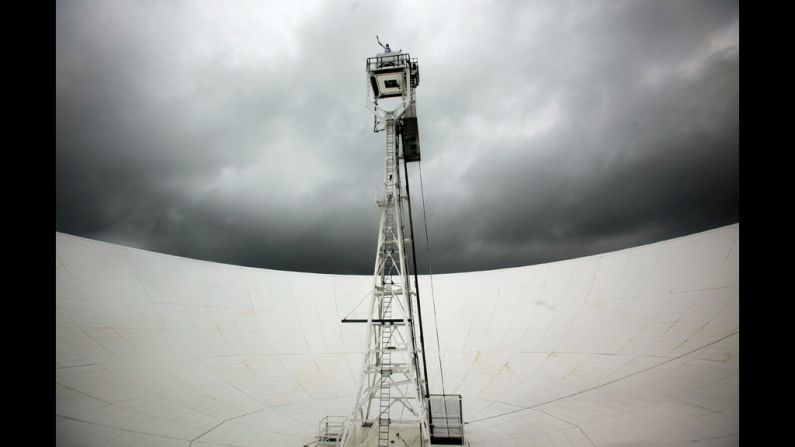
(447, 423)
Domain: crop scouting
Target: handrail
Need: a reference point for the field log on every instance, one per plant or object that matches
(397, 60)
(330, 430)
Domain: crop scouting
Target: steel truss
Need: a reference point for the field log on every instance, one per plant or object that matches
(391, 384)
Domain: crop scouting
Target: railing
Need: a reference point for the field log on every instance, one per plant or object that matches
(447, 425)
(447, 433)
(330, 430)
(397, 60)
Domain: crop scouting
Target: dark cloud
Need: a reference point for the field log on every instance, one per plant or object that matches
(549, 131)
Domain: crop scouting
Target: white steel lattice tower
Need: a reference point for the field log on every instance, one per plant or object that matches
(392, 388)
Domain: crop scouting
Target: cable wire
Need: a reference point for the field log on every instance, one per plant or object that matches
(357, 306)
(433, 299)
(609, 382)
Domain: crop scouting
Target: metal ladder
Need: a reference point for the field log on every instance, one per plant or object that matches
(387, 328)
(385, 397)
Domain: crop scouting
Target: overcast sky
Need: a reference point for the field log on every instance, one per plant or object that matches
(236, 131)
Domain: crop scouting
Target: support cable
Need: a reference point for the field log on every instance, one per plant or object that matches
(416, 282)
(357, 306)
(419, 308)
(609, 382)
(433, 299)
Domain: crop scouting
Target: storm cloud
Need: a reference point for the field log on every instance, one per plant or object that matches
(236, 132)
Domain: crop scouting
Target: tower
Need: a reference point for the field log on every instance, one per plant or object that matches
(392, 392)
(392, 405)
